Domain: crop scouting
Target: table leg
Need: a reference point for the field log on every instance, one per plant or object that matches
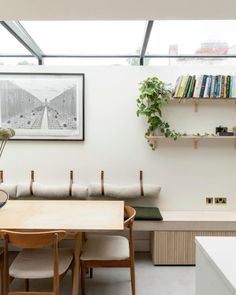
(76, 271)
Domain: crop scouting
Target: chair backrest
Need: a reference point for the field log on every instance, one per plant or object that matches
(33, 239)
(130, 212)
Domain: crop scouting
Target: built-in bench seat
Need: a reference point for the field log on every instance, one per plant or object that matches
(172, 240)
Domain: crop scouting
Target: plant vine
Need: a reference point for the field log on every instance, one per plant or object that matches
(154, 94)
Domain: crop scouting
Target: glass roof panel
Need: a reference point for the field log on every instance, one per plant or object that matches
(87, 37)
(9, 44)
(207, 37)
(91, 61)
(189, 61)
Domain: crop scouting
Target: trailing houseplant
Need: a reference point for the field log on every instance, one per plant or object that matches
(154, 94)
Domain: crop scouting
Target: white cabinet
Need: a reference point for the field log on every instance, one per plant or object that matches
(215, 266)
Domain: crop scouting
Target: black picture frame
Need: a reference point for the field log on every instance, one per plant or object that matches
(28, 106)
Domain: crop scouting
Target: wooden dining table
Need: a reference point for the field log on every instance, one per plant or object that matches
(74, 217)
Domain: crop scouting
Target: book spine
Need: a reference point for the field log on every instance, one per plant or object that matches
(184, 85)
(222, 86)
(198, 86)
(209, 86)
(181, 88)
(190, 87)
(212, 86)
(206, 87)
(178, 87)
(234, 86)
(203, 85)
(215, 87)
(231, 86)
(219, 86)
(187, 86)
(227, 86)
(193, 86)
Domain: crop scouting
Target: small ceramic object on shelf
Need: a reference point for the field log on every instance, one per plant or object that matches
(3, 198)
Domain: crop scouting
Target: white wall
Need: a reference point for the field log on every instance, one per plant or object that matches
(114, 141)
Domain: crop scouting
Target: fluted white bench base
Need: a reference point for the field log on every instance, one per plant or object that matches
(172, 240)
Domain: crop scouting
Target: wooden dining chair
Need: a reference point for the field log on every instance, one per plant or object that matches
(110, 251)
(40, 258)
(1, 268)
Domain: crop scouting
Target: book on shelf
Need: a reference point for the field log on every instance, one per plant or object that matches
(187, 86)
(205, 86)
(182, 86)
(177, 84)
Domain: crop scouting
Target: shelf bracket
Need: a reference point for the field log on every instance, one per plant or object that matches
(153, 141)
(235, 143)
(195, 106)
(195, 143)
(235, 105)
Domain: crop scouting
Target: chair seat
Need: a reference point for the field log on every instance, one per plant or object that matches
(105, 247)
(38, 263)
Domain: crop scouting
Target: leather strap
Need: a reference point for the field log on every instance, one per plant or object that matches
(71, 182)
(1, 176)
(141, 182)
(102, 183)
(31, 182)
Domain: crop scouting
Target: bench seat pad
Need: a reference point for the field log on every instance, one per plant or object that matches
(148, 213)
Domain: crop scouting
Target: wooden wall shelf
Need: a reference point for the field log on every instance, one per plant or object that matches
(197, 100)
(194, 138)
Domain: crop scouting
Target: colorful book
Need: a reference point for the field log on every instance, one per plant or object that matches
(234, 87)
(185, 81)
(205, 94)
(222, 86)
(212, 86)
(203, 85)
(209, 86)
(230, 87)
(178, 82)
(218, 93)
(198, 86)
(181, 87)
(190, 86)
(187, 86)
(227, 86)
(215, 86)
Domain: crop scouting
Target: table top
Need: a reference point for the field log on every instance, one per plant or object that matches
(220, 252)
(65, 215)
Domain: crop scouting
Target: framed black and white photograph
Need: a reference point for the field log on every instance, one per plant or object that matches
(43, 106)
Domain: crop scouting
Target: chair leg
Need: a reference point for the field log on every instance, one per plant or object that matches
(82, 281)
(72, 273)
(91, 273)
(27, 285)
(132, 275)
(1, 270)
(2, 279)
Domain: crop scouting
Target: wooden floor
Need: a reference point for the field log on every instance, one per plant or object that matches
(150, 280)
